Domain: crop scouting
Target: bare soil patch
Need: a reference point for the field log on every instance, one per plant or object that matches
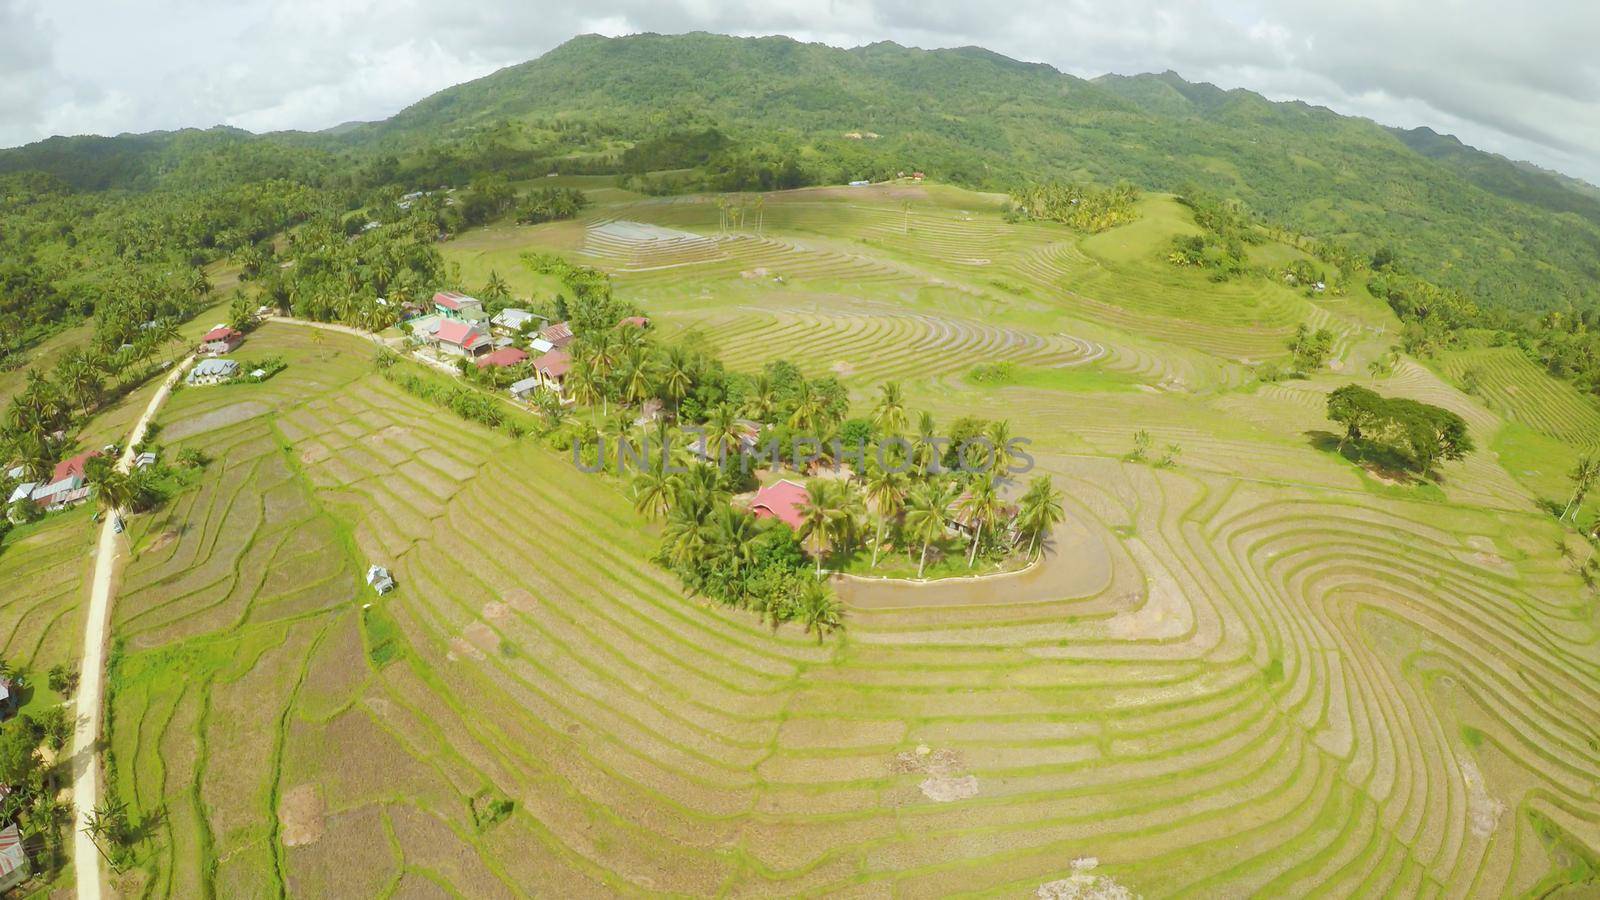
(947, 780)
(301, 814)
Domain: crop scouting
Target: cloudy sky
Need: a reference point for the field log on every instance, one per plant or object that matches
(1521, 79)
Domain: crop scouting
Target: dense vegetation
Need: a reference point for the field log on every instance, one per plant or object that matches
(1419, 434)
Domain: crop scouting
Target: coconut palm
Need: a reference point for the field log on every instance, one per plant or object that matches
(585, 387)
(817, 609)
(1582, 476)
(999, 434)
(763, 397)
(677, 374)
(1039, 512)
(808, 407)
(980, 505)
(889, 415)
(637, 376)
(819, 514)
(886, 492)
(721, 432)
(924, 451)
(652, 492)
(927, 515)
(496, 288)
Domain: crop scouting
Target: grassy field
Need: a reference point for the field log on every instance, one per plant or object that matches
(1262, 671)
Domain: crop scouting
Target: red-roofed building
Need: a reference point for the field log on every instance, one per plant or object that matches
(780, 500)
(558, 334)
(461, 338)
(636, 321)
(454, 305)
(551, 369)
(505, 357)
(73, 466)
(220, 340)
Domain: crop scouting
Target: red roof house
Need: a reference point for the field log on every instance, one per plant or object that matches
(462, 338)
(455, 304)
(505, 356)
(559, 334)
(220, 340)
(555, 364)
(73, 467)
(636, 321)
(782, 501)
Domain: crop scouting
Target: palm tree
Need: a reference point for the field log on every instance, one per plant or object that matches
(1583, 477)
(652, 491)
(807, 408)
(924, 452)
(999, 434)
(886, 491)
(981, 507)
(114, 489)
(496, 288)
(889, 415)
(722, 432)
(819, 513)
(763, 397)
(636, 382)
(677, 374)
(817, 609)
(734, 537)
(1040, 512)
(926, 516)
(584, 387)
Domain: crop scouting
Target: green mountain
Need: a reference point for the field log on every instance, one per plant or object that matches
(1507, 235)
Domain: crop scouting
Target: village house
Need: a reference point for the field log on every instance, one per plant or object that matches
(551, 369)
(636, 321)
(780, 500)
(505, 357)
(457, 338)
(212, 371)
(559, 334)
(453, 305)
(13, 858)
(511, 321)
(525, 389)
(68, 484)
(380, 579)
(220, 340)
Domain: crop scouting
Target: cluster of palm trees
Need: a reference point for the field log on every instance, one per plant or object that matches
(910, 502)
(622, 365)
(723, 552)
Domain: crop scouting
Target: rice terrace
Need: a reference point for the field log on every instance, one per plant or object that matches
(1146, 536)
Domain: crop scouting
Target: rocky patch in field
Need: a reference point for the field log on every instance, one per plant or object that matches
(1083, 884)
(946, 781)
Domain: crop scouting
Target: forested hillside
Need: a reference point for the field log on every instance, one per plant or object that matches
(706, 112)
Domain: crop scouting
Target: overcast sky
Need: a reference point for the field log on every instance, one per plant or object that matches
(1521, 79)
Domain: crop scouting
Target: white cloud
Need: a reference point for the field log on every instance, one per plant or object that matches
(1514, 78)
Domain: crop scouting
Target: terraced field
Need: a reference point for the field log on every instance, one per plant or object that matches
(44, 575)
(1275, 687)
(1260, 672)
(1521, 392)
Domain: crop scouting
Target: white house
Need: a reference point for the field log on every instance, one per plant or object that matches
(511, 321)
(380, 579)
(212, 371)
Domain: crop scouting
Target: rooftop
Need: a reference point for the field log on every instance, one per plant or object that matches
(780, 500)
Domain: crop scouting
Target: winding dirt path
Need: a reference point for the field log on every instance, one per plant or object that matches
(91, 686)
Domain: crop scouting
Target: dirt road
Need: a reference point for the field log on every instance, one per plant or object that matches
(91, 684)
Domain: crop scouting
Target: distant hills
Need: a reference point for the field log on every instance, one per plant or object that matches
(1508, 233)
